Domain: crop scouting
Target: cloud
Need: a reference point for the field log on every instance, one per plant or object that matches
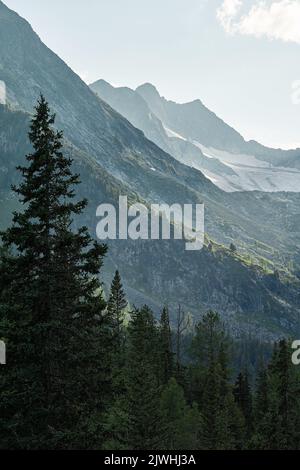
(227, 13)
(275, 20)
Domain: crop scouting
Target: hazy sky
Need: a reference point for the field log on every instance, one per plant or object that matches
(240, 57)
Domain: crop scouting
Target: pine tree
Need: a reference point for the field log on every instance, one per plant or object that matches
(261, 412)
(221, 419)
(58, 376)
(284, 379)
(230, 425)
(116, 414)
(182, 325)
(243, 397)
(261, 402)
(211, 407)
(116, 305)
(165, 346)
(277, 405)
(208, 349)
(232, 247)
(181, 422)
(144, 427)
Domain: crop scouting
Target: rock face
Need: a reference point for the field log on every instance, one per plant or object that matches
(113, 157)
(157, 272)
(197, 122)
(198, 138)
(192, 119)
(135, 108)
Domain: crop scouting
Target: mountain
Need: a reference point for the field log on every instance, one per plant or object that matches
(29, 68)
(193, 120)
(256, 166)
(252, 288)
(132, 105)
(251, 298)
(198, 138)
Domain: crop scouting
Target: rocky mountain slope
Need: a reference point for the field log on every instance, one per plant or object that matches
(200, 124)
(132, 105)
(113, 157)
(198, 138)
(251, 298)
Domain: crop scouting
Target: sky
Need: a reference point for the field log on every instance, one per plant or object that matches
(240, 57)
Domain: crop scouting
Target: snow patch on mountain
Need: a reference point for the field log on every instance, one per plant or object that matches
(171, 133)
(251, 173)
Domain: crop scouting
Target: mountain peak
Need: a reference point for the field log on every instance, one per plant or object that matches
(149, 89)
(100, 83)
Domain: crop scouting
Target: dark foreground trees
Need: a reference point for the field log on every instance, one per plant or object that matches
(53, 391)
(213, 410)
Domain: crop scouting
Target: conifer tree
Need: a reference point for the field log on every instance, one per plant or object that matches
(181, 422)
(277, 406)
(220, 417)
(284, 402)
(116, 305)
(58, 376)
(165, 346)
(230, 425)
(211, 407)
(116, 413)
(243, 397)
(144, 427)
(261, 414)
(182, 325)
(208, 350)
(261, 402)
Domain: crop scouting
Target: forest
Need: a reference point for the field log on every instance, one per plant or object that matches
(87, 371)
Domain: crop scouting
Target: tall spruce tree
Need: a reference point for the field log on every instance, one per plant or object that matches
(165, 346)
(211, 385)
(116, 305)
(261, 410)
(116, 414)
(182, 423)
(243, 398)
(277, 404)
(207, 349)
(144, 427)
(284, 387)
(57, 378)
